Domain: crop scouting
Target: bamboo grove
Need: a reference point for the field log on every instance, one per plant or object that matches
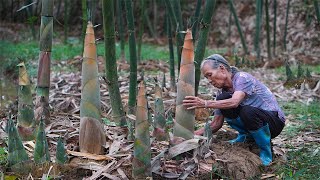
(190, 42)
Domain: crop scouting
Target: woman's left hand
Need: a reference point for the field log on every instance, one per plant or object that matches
(192, 102)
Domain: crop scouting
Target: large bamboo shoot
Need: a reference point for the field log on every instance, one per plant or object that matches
(41, 151)
(92, 137)
(25, 118)
(184, 121)
(141, 164)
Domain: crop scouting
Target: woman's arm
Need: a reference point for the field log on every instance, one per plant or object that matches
(215, 125)
(192, 102)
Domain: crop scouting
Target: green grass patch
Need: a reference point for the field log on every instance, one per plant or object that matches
(302, 163)
(3, 157)
(306, 117)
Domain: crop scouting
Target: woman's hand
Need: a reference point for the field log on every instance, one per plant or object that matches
(192, 102)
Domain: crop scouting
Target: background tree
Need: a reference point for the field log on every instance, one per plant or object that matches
(111, 63)
(120, 28)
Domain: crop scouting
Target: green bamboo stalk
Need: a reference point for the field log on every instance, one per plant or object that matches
(159, 116)
(84, 18)
(243, 41)
(61, 155)
(149, 24)
(274, 27)
(184, 121)
(41, 151)
(66, 20)
(133, 58)
(196, 20)
(316, 7)
(141, 163)
(180, 28)
(120, 28)
(286, 27)
(141, 27)
(30, 16)
(268, 29)
(111, 62)
(16, 152)
(203, 36)
(91, 133)
(258, 27)
(25, 118)
(46, 31)
(171, 58)
(155, 19)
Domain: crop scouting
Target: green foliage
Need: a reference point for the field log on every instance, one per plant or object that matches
(3, 157)
(289, 72)
(16, 152)
(61, 156)
(41, 151)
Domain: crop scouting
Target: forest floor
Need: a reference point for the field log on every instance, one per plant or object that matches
(296, 149)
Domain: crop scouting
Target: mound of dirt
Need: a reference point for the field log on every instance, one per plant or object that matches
(236, 161)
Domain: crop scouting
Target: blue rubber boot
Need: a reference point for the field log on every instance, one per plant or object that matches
(262, 137)
(237, 124)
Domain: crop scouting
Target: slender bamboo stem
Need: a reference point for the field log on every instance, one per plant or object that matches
(268, 29)
(141, 28)
(196, 20)
(286, 27)
(111, 63)
(133, 58)
(274, 27)
(171, 58)
(258, 27)
(203, 36)
(316, 7)
(84, 18)
(66, 19)
(120, 28)
(232, 9)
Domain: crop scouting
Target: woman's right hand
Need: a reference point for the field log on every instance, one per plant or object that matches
(199, 132)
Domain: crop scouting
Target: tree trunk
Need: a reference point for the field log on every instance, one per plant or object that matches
(91, 134)
(141, 28)
(141, 163)
(66, 19)
(258, 27)
(274, 26)
(111, 62)
(286, 27)
(43, 84)
(203, 36)
(26, 122)
(184, 121)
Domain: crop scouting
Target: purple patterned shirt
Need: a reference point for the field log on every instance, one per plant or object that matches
(257, 94)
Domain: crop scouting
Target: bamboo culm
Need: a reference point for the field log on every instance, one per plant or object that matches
(274, 27)
(110, 63)
(286, 27)
(171, 54)
(268, 29)
(203, 36)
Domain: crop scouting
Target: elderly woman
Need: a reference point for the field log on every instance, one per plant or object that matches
(246, 104)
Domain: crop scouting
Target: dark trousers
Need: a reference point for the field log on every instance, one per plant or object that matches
(253, 118)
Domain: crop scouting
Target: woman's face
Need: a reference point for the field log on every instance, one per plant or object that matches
(217, 77)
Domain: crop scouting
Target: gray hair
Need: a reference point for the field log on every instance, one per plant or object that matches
(216, 60)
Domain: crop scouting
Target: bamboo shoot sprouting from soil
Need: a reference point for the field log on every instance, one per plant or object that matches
(25, 118)
(171, 52)
(141, 164)
(61, 155)
(41, 151)
(111, 63)
(203, 36)
(184, 121)
(258, 27)
(120, 28)
(16, 152)
(159, 116)
(46, 30)
(286, 27)
(234, 13)
(274, 26)
(268, 29)
(91, 135)
(133, 58)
